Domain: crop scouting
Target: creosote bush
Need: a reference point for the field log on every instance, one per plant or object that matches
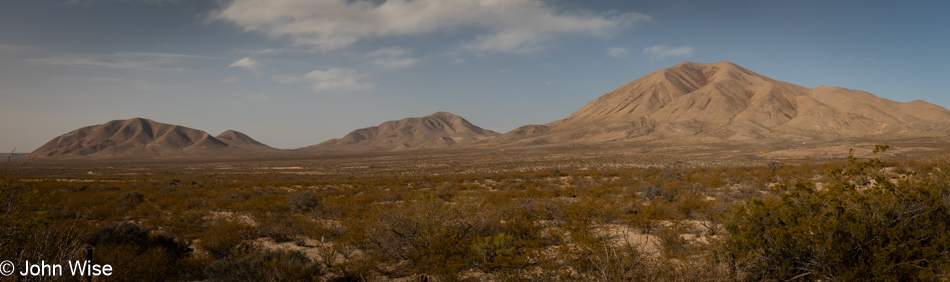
(136, 253)
(432, 235)
(863, 225)
(264, 265)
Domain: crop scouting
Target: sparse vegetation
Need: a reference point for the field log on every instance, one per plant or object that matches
(861, 219)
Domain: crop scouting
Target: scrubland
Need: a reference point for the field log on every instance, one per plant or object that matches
(560, 219)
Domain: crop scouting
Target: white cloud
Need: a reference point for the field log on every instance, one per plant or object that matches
(617, 52)
(392, 58)
(661, 51)
(511, 26)
(334, 79)
(127, 60)
(249, 64)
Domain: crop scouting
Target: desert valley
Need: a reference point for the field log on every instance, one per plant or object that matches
(699, 171)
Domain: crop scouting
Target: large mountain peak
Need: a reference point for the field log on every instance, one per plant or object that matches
(724, 100)
(718, 90)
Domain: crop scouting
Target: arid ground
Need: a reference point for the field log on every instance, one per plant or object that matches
(573, 212)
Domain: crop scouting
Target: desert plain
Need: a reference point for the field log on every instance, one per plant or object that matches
(695, 172)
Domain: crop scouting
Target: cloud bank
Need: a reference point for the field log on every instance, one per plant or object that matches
(391, 58)
(334, 79)
(125, 60)
(617, 52)
(661, 51)
(509, 26)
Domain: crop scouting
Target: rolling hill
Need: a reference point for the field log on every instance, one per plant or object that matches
(438, 130)
(144, 138)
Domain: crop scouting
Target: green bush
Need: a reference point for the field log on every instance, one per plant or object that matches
(495, 251)
(220, 238)
(302, 202)
(432, 235)
(860, 227)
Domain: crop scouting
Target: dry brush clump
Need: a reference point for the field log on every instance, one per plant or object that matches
(864, 224)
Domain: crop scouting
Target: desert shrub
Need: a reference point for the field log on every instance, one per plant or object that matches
(278, 227)
(713, 217)
(320, 230)
(131, 234)
(261, 265)
(494, 251)
(220, 238)
(594, 254)
(343, 262)
(29, 229)
(671, 175)
(22, 240)
(445, 192)
(132, 199)
(646, 218)
(137, 254)
(168, 189)
(520, 219)
(302, 202)
(671, 240)
(650, 191)
(434, 237)
(861, 226)
(690, 203)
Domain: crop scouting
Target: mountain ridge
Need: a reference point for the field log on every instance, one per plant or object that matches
(689, 103)
(143, 138)
(438, 130)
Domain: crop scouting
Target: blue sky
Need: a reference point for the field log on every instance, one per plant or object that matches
(293, 73)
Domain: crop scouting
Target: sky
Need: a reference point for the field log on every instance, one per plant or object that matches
(293, 73)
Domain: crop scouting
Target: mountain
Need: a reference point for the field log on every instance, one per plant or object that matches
(681, 107)
(725, 102)
(236, 139)
(437, 130)
(144, 138)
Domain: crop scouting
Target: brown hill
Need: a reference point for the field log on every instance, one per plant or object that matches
(142, 138)
(237, 139)
(437, 130)
(725, 102)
